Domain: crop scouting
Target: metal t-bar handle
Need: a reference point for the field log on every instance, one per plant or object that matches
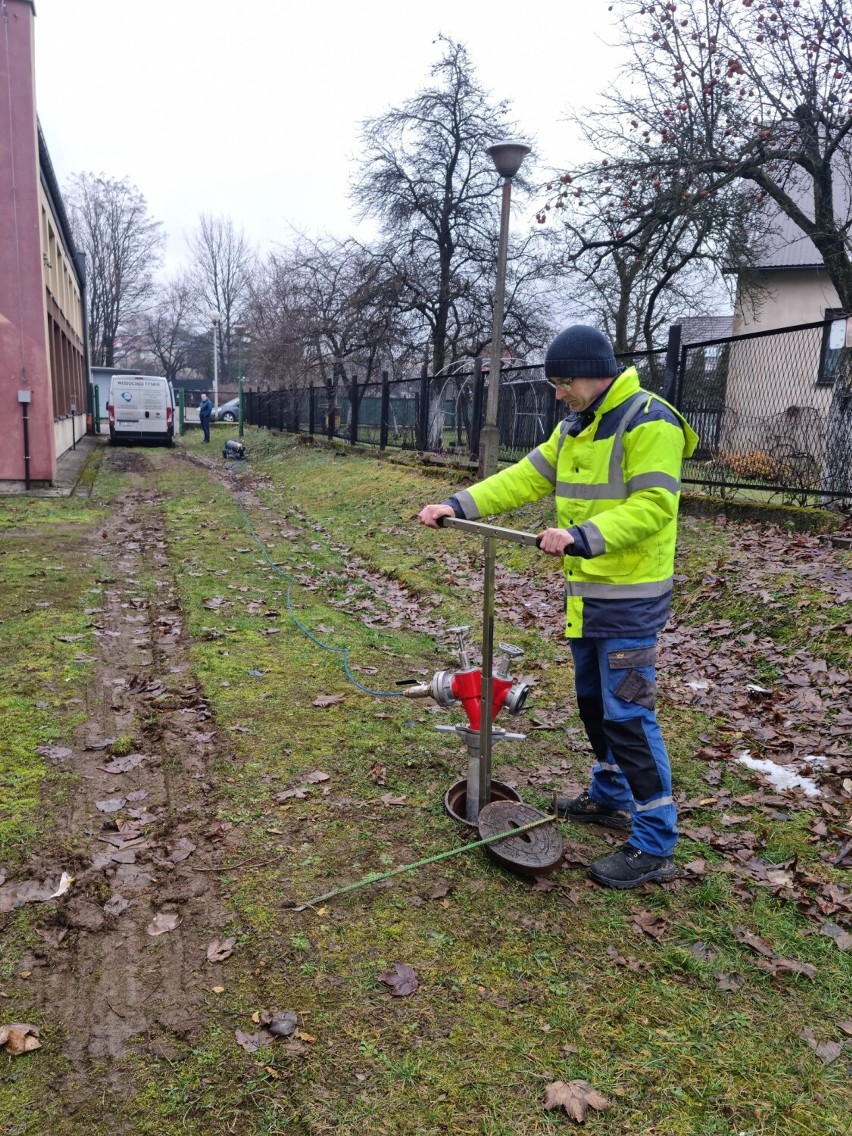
(480, 529)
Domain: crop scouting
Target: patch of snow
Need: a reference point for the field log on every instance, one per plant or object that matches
(781, 776)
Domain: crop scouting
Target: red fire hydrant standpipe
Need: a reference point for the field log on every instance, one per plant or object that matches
(479, 794)
(490, 805)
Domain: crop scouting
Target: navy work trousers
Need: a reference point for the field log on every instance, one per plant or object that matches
(616, 690)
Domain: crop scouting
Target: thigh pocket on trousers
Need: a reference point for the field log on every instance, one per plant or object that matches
(635, 687)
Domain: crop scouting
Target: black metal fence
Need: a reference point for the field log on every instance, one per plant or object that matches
(773, 410)
(774, 413)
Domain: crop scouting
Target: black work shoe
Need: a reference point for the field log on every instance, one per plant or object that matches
(630, 866)
(589, 811)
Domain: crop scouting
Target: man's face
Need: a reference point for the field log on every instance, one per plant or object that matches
(579, 394)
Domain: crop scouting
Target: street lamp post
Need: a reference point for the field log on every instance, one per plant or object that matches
(507, 158)
(214, 319)
(239, 332)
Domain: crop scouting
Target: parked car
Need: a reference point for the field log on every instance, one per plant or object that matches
(227, 412)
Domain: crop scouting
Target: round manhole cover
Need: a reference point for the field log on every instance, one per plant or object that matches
(535, 852)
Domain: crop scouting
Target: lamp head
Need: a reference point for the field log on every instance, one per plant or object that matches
(508, 157)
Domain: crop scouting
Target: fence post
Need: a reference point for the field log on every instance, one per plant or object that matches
(476, 409)
(423, 411)
(295, 425)
(681, 375)
(330, 408)
(181, 413)
(552, 409)
(312, 410)
(385, 414)
(353, 409)
(671, 366)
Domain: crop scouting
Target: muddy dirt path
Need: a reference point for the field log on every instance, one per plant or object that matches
(139, 838)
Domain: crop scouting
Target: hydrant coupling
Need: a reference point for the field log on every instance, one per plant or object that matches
(465, 685)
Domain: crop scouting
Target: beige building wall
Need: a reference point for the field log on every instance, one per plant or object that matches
(780, 372)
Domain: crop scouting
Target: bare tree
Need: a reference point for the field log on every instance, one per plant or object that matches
(753, 95)
(123, 245)
(638, 282)
(168, 329)
(428, 180)
(222, 260)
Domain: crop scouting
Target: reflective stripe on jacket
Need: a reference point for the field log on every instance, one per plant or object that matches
(617, 487)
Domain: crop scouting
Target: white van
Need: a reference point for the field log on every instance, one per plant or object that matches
(141, 408)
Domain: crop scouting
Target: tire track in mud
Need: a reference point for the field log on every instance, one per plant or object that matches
(111, 984)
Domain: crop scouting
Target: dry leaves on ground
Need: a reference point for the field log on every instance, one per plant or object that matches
(19, 1037)
(402, 980)
(575, 1097)
(221, 949)
(324, 700)
(163, 922)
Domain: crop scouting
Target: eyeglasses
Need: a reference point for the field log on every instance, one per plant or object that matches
(560, 384)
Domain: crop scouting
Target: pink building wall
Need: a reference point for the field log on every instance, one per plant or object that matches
(24, 360)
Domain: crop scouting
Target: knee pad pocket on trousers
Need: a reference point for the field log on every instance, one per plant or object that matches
(633, 755)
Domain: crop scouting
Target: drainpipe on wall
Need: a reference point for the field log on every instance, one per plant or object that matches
(24, 398)
(80, 264)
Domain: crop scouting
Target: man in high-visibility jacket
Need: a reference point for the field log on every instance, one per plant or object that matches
(614, 465)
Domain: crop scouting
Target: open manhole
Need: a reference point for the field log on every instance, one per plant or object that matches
(455, 799)
(533, 853)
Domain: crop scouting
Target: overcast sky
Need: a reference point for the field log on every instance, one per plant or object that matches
(253, 109)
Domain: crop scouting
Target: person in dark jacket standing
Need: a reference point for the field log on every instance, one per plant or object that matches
(205, 409)
(614, 467)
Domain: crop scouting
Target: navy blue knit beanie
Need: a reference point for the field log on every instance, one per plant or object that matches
(580, 352)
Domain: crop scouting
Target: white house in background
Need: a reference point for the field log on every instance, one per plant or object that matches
(793, 371)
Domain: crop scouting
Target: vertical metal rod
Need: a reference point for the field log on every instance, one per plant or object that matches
(26, 446)
(487, 672)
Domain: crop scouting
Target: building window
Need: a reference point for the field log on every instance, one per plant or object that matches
(833, 344)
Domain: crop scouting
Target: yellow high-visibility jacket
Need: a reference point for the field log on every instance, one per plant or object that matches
(616, 478)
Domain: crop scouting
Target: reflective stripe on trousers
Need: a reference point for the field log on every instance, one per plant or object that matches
(615, 683)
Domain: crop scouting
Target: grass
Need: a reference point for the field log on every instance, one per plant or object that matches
(519, 986)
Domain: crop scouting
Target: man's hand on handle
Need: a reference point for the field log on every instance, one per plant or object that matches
(430, 514)
(555, 541)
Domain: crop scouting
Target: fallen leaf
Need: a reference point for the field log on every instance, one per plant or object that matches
(116, 904)
(402, 980)
(19, 1037)
(55, 753)
(653, 925)
(390, 799)
(110, 806)
(251, 1042)
(123, 764)
(221, 949)
(328, 699)
(182, 849)
(575, 1097)
(826, 1051)
(162, 922)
